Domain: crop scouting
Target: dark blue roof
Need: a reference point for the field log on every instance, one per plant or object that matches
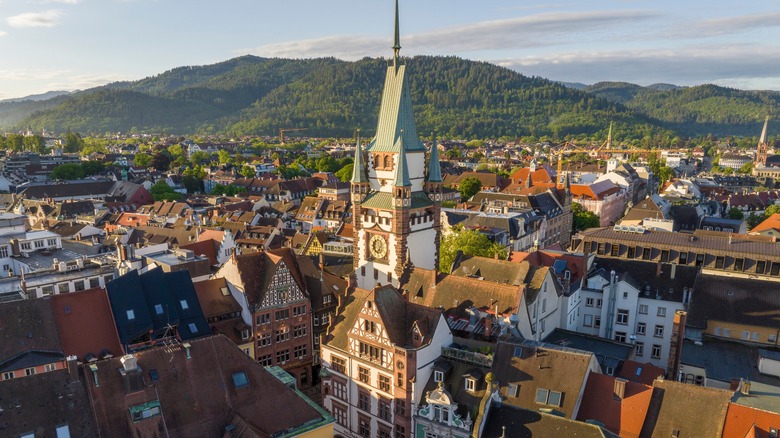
(559, 265)
(161, 299)
(192, 323)
(128, 304)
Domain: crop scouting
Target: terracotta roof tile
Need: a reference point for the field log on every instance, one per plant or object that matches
(213, 300)
(85, 323)
(622, 415)
(676, 407)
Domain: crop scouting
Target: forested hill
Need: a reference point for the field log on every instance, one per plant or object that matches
(329, 97)
(695, 110)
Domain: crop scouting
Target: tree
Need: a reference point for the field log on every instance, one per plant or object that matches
(735, 213)
(161, 162)
(73, 142)
(583, 219)
(754, 219)
(142, 160)
(224, 156)
(772, 209)
(92, 167)
(470, 242)
(345, 173)
(67, 171)
(228, 190)
(469, 187)
(448, 204)
(34, 143)
(248, 172)
(161, 191)
(746, 168)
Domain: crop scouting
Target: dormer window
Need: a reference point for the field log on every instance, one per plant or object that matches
(438, 376)
(471, 384)
(567, 275)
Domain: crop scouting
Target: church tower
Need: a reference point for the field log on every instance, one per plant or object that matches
(395, 207)
(763, 147)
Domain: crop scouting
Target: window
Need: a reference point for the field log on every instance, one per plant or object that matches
(683, 258)
(665, 256)
(299, 351)
(299, 310)
(282, 356)
(245, 334)
(158, 309)
(8, 375)
(599, 302)
(52, 242)
(631, 252)
(144, 411)
(659, 331)
(615, 250)
(661, 312)
(641, 328)
(720, 261)
(438, 376)
(265, 318)
(184, 304)
(643, 309)
(400, 408)
(364, 427)
(645, 253)
(364, 375)
(760, 267)
(656, 353)
(513, 390)
(265, 360)
(94, 282)
(193, 328)
(369, 326)
(370, 352)
(26, 245)
(47, 290)
(3, 251)
(620, 336)
(282, 314)
(384, 383)
(340, 414)
(555, 398)
(400, 431)
(542, 395)
(384, 409)
(727, 332)
(739, 264)
(364, 401)
(625, 295)
(383, 432)
(622, 316)
(338, 364)
(588, 321)
(588, 302)
(772, 339)
(78, 285)
(548, 397)
(130, 315)
(639, 348)
(282, 335)
(339, 389)
(263, 340)
(29, 371)
(39, 243)
(471, 384)
(597, 322)
(299, 331)
(240, 380)
(49, 367)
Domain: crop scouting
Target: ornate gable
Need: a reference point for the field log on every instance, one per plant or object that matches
(282, 288)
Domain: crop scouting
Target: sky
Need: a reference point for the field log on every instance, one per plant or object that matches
(77, 44)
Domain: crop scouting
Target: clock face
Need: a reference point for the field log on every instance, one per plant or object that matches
(378, 247)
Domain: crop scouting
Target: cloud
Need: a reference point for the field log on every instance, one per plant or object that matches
(23, 82)
(734, 64)
(727, 25)
(48, 18)
(66, 2)
(2, 34)
(537, 30)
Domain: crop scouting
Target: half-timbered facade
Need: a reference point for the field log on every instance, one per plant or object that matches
(376, 358)
(272, 293)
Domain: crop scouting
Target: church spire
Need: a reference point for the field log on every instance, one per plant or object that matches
(358, 170)
(763, 132)
(401, 171)
(397, 39)
(434, 168)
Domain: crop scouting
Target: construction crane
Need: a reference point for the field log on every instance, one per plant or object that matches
(283, 130)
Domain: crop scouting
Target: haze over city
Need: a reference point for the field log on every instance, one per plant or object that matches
(76, 44)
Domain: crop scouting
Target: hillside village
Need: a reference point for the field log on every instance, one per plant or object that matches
(265, 303)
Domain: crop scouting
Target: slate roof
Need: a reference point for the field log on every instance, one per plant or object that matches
(198, 396)
(43, 402)
(725, 360)
(608, 353)
(734, 300)
(28, 334)
(541, 365)
(493, 270)
(85, 324)
(643, 275)
(676, 407)
(623, 416)
(68, 189)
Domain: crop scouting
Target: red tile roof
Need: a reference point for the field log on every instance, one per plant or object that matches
(624, 416)
(770, 223)
(745, 421)
(640, 372)
(207, 248)
(85, 323)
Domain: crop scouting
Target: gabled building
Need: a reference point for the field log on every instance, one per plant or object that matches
(377, 358)
(619, 404)
(29, 341)
(275, 303)
(86, 326)
(223, 313)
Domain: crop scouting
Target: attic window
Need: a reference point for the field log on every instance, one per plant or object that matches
(184, 305)
(638, 371)
(225, 291)
(512, 390)
(518, 352)
(130, 315)
(240, 380)
(193, 327)
(438, 376)
(471, 384)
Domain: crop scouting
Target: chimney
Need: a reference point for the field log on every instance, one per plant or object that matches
(73, 367)
(93, 367)
(129, 363)
(676, 346)
(744, 386)
(619, 391)
(434, 277)
(187, 352)
(488, 326)
(322, 262)
(674, 271)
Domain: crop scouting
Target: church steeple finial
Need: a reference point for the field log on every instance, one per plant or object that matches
(397, 39)
(358, 170)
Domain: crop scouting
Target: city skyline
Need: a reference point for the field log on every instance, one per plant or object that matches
(77, 44)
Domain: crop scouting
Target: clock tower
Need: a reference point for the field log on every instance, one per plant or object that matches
(396, 198)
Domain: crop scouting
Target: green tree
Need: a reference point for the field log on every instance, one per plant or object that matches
(448, 204)
(469, 187)
(772, 209)
(746, 168)
(199, 157)
(15, 142)
(248, 172)
(142, 160)
(67, 171)
(228, 190)
(224, 157)
(471, 242)
(583, 219)
(754, 219)
(735, 213)
(92, 167)
(345, 173)
(34, 143)
(73, 143)
(161, 191)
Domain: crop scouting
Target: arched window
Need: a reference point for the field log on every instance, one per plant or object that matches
(388, 162)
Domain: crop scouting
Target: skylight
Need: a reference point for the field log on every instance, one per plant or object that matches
(240, 380)
(193, 327)
(130, 315)
(184, 304)
(158, 308)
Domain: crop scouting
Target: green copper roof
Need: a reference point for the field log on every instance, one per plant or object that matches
(384, 200)
(359, 169)
(434, 168)
(395, 115)
(402, 170)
